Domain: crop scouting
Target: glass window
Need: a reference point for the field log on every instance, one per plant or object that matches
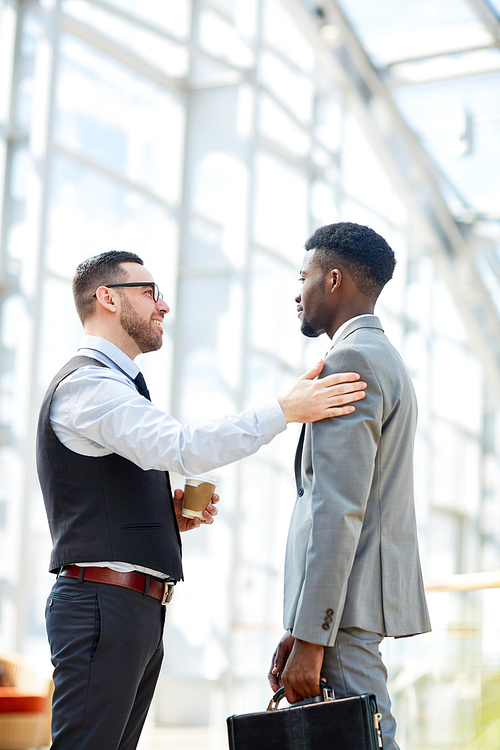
(456, 376)
(90, 212)
(281, 200)
(417, 28)
(31, 37)
(282, 33)
(219, 195)
(209, 308)
(223, 40)
(290, 86)
(171, 16)
(439, 111)
(329, 120)
(109, 114)
(163, 54)
(7, 41)
(275, 326)
(364, 177)
(324, 209)
(279, 127)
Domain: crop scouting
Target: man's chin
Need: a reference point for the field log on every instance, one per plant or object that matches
(151, 346)
(308, 331)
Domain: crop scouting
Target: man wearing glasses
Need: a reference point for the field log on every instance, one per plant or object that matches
(103, 456)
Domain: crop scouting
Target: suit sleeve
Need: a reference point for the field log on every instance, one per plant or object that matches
(343, 453)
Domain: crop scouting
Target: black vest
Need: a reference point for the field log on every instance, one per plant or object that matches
(104, 508)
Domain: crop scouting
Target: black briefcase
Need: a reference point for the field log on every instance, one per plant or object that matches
(331, 724)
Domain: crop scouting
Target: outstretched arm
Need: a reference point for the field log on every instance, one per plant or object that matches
(311, 400)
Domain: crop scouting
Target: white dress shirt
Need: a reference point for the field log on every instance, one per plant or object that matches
(97, 411)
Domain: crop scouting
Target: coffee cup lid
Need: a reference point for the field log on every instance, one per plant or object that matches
(199, 478)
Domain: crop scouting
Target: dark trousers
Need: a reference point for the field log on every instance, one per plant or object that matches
(106, 646)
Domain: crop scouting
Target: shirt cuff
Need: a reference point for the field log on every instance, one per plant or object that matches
(271, 419)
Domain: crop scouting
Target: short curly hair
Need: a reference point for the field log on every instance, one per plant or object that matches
(95, 272)
(366, 255)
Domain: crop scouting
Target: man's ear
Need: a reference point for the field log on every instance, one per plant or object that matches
(106, 298)
(335, 279)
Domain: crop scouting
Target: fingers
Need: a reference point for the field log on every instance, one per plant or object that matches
(210, 511)
(273, 675)
(279, 661)
(313, 372)
(342, 388)
(339, 399)
(342, 394)
(340, 377)
(273, 681)
(338, 411)
(188, 524)
(291, 695)
(300, 686)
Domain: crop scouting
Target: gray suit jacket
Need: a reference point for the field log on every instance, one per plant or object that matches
(352, 555)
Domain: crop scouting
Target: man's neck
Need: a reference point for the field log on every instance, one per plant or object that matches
(349, 314)
(120, 339)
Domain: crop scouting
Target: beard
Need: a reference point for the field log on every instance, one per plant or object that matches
(307, 329)
(145, 334)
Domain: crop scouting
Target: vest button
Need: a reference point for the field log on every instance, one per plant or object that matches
(301, 492)
(329, 612)
(326, 626)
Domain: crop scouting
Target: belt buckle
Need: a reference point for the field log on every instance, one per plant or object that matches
(168, 592)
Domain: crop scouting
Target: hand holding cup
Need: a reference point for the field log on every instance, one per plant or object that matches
(198, 491)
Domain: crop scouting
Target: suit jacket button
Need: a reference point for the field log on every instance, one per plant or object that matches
(329, 612)
(326, 626)
(300, 492)
(328, 619)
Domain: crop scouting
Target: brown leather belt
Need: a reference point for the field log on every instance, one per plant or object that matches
(140, 582)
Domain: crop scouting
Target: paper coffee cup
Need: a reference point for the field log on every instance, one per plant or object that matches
(198, 493)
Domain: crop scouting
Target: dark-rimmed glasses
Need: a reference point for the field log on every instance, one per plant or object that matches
(156, 292)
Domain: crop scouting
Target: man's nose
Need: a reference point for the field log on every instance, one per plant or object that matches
(162, 306)
(298, 298)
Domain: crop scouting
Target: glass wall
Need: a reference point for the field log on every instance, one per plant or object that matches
(211, 138)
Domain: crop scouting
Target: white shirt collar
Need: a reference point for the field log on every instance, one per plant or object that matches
(338, 333)
(109, 354)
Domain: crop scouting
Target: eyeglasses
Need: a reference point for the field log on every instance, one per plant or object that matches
(156, 292)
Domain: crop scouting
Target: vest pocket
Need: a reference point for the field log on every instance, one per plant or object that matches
(141, 526)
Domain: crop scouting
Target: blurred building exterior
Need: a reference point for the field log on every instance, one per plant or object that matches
(212, 137)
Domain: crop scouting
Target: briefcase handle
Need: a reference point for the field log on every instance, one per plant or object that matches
(327, 695)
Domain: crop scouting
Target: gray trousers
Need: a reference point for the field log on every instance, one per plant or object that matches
(354, 666)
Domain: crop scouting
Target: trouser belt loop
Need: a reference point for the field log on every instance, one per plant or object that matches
(146, 584)
(80, 574)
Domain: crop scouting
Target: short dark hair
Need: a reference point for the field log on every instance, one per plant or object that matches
(95, 272)
(366, 255)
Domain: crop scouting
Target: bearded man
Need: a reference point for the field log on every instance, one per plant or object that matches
(103, 456)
